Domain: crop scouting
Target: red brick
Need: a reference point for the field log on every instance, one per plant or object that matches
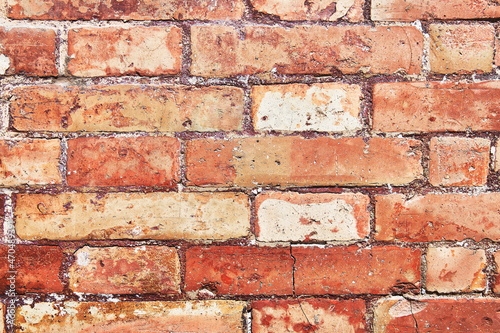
(126, 10)
(123, 108)
(411, 10)
(459, 161)
(455, 270)
(223, 51)
(496, 285)
(289, 216)
(295, 161)
(397, 314)
(105, 317)
(141, 161)
(28, 51)
(351, 270)
(126, 270)
(113, 51)
(437, 217)
(30, 162)
(461, 48)
(436, 106)
(234, 270)
(37, 268)
(157, 215)
(316, 10)
(308, 315)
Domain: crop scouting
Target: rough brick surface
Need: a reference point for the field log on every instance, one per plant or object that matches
(113, 51)
(289, 161)
(78, 216)
(30, 162)
(101, 317)
(397, 314)
(219, 51)
(455, 270)
(141, 161)
(234, 270)
(309, 217)
(459, 161)
(28, 51)
(496, 285)
(125, 10)
(436, 106)
(329, 107)
(461, 48)
(346, 270)
(303, 315)
(436, 217)
(411, 10)
(126, 108)
(126, 270)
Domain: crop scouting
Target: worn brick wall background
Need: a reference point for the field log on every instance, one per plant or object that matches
(250, 166)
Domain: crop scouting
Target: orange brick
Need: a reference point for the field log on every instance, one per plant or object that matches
(30, 162)
(221, 51)
(461, 48)
(328, 107)
(158, 215)
(496, 285)
(311, 216)
(497, 156)
(28, 51)
(125, 108)
(128, 10)
(397, 314)
(239, 270)
(412, 10)
(141, 161)
(100, 317)
(437, 217)
(455, 270)
(436, 106)
(315, 10)
(308, 314)
(459, 161)
(126, 270)
(346, 270)
(294, 161)
(113, 51)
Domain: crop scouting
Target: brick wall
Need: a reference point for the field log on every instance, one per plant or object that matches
(249, 166)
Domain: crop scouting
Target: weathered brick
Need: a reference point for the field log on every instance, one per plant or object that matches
(126, 270)
(412, 10)
(79, 216)
(239, 270)
(497, 156)
(436, 106)
(397, 314)
(461, 48)
(149, 51)
(311, 216)
(308, 314)
(144, 161)
(437, 217)
(455, 270)
(28, 51)
(2, 318)
(290, 161)
(101, 317)
(37, 268)
(125, 10)
(223, 51)
(124, 108)
(329, 107)
(496, 285)
(459, 161)
(30, 162)
(315, 10)
(346, 270)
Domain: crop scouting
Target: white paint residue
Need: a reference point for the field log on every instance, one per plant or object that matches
(82, 258)
(4, 64)
(281, 220)
(319, 110)
(35, 314)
